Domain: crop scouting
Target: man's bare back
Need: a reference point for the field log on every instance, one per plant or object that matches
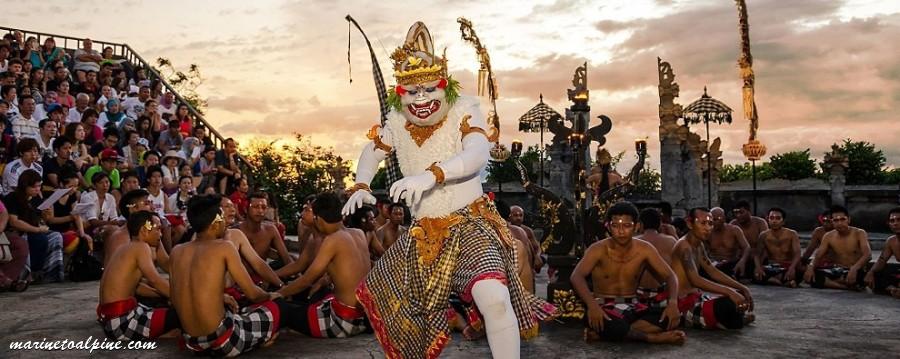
(198, 282)
(344, 256)
(664, 244)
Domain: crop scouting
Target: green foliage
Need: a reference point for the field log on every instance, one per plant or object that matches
(794, 165)
(731, 173)
(649, 183)
(892, 176)
(866, 163)
(380, 179)
(291, 172)
(184, 83)
(508, 172)
(393, 99)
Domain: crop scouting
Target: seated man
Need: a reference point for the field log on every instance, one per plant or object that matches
(728, 248)
(388, 233)
(700, 309)
(849, 247)
(779, 261)
(257, 267)
(344, 256)
(119, 313)
(198, 275)
(826, 225)
(880, 278)
(650, 291)
(310, 239)
(751, 226)
(614, 264)
(132, 202)
(264, 236)
(517, 218)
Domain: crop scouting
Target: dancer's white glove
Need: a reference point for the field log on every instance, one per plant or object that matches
(356, 201)
(412, 188)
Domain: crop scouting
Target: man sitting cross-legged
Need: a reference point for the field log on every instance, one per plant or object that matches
(780, 246)
(264, 236)
(880, 278)
(728, 248)
(119, 313)
(650, 291)
(614, 265)
(701, 310)
(259, 270)
(848, 247)
(344, 256)
(198, 275)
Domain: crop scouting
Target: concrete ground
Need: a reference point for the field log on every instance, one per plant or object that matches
(805, 323)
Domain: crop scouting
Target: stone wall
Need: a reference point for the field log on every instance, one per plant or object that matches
(805, 199)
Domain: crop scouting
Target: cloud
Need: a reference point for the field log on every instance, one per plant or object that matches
(238, 104)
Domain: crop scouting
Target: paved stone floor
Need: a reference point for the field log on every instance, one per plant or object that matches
(792, 323)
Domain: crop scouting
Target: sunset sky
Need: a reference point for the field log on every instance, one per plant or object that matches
(826, 70)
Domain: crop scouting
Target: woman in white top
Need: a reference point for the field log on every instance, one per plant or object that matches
(176, 208)
(170, 164)
(101, 212)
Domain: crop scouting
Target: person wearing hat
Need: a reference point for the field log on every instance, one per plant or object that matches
(108, 160)
(170, 163)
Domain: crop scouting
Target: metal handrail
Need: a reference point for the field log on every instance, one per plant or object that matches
(127, 53)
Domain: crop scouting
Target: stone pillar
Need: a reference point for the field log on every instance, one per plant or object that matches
(670, 150)
(836, 164)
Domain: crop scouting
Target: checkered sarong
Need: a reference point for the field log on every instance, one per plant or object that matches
(653, 297)
(238, 333)
(329, 318)
(128, 320)
(407, 300)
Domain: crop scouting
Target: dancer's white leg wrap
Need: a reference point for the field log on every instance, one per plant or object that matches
(501, 326)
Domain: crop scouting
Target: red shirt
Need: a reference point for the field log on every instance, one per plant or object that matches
(241, 202)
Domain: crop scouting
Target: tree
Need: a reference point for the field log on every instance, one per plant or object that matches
(866, 163)
(185, 84)
(892, 176)
(292, 172)
(507, 170)
(731, 173)
(794, 165)
(649, 183)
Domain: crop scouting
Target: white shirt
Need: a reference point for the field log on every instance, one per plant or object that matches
(86, 65)
(40, 112)
(46, 148)
(25, 127)
(12, 171)
(159, 203)
(107, 212)
(74, 115)
(133, 107)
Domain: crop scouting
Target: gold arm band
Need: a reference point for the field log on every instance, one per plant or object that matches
(373, 135)
(438, 173)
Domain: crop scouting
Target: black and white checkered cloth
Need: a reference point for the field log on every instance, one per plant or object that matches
(407, 301)
(707, 109)
(238, 333)
(140, 322)
(329, 318)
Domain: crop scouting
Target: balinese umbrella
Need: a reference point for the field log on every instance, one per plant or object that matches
(707, 109)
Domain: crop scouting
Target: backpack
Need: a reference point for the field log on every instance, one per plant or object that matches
(82, 266)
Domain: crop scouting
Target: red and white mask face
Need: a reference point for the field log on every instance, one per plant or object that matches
(424, 104)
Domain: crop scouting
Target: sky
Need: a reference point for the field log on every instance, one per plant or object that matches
(825, 70)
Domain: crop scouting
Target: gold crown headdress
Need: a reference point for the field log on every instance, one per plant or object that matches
(415, 62)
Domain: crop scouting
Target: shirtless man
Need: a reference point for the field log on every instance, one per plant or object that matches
(132, 202)
(751, 226)
(198, 275)
(517, 217)
(849, 247)
(264, 236)
(383, 207)
(780, 246)
(364, 219)
(523, 256)
(699, 308)
(388, 233)
(825, 226)
(651, 291)
(119, 313)
(256, 266)
(665, 208)
(344, 256)
(310, 246)
(615, 265)
(879, 278)
(728, 248)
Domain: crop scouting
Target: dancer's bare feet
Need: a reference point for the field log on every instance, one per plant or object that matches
(271, 340)
(671, 337)
(749, 318)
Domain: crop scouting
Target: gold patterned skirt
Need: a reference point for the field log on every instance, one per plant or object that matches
(406, 295)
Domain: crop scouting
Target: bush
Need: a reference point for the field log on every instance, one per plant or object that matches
(794, 165)
(731, 173)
